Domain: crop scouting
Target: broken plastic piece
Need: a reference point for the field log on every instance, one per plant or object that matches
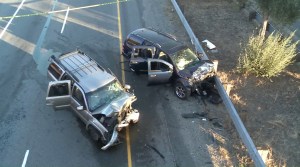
(209, 45)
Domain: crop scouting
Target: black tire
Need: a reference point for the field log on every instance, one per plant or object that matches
(97, 136)
(181, 91)
(94, 133)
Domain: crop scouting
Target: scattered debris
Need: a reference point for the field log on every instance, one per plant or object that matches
(194, 115)
(212, 48)
(265, 154)
(155, 150)
(209, 45)
(214, 51)
(218, 124)
(215, 99)
(208, 91)
(203, 116)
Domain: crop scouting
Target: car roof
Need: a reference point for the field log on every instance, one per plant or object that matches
(86, 71)
(165, 42)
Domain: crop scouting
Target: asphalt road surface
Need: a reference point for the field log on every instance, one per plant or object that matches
(58, 138)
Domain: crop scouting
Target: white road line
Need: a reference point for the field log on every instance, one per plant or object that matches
(25, 158)
(11, 19)
(63, 27)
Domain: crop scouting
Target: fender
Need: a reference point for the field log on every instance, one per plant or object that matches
(185, 83)
(97, 125)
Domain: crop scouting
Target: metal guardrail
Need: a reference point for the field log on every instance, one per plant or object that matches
(239, 125)
(189, 30)
(230, 107)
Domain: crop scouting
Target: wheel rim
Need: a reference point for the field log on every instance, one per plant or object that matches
(180, 92)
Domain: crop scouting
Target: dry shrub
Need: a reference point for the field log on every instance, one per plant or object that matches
(267, 57)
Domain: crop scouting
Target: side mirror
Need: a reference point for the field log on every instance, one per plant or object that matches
(79, 108)
(127, 87)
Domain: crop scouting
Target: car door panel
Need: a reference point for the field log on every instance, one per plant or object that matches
(58, 94)
(83, 114)
(158, 74)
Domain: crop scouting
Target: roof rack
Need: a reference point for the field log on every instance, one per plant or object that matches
(76, 64)
(58, 61)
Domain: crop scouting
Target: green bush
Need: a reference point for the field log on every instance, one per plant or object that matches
(267, 57)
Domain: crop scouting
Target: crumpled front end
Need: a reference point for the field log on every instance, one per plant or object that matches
(127, 114)
(203, 72)
(123, 115)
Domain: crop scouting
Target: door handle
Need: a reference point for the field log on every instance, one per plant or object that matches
(152, 75)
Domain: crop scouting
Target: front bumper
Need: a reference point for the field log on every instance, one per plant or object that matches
(113, 140)
(133, 117)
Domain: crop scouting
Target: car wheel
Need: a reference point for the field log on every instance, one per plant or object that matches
(181, 91)
(94, 133)
(96, 136)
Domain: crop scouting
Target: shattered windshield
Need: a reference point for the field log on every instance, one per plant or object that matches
(104, 95)
(185, 58)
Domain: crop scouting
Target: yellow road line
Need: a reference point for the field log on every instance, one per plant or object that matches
(128, 147)
(123, 81)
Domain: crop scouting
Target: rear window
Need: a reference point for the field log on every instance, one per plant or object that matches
(133, 40)
(55, 70)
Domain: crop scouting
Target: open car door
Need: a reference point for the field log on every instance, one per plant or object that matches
(139, 56)
(58, 94)
(159, 71)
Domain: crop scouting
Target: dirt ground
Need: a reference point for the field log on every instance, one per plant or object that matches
(270, 109)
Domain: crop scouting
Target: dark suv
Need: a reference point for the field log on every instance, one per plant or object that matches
(166, 60)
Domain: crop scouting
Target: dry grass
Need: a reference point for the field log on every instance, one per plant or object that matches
(268, 108)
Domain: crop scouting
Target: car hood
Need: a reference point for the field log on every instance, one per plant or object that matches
(116, 105)
(198, 69)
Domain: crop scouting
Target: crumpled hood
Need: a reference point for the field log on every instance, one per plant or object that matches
(116, 105)
(201, 68)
